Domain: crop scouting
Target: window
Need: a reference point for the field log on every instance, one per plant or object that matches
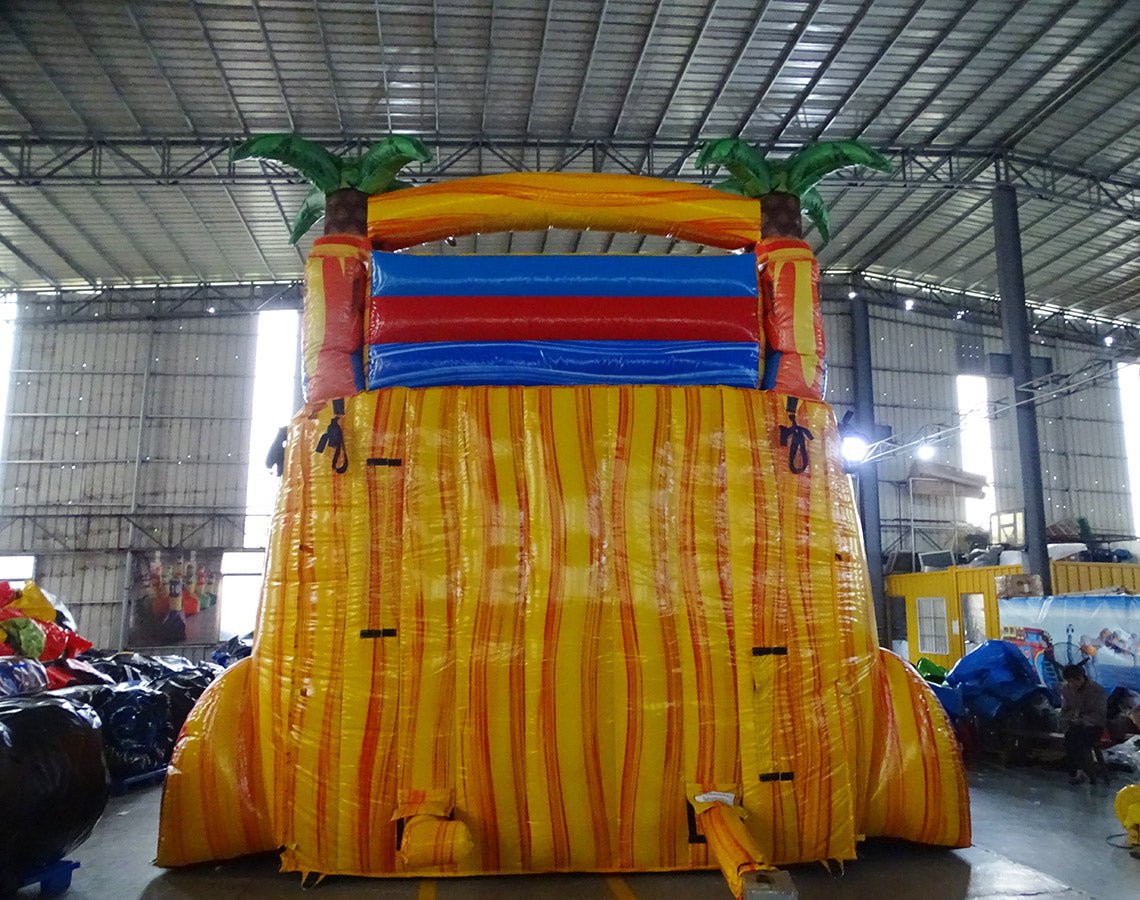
(932, 634)
(239, 592)
(977, 445)
(7, 343)
(275, 372)
(1128, 380)
(974, 619)
(274, 377)
(17, 569)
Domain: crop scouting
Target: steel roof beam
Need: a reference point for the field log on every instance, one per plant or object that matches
(585, 74)
(936, 202)
(838, 47)
(615, 122)
(1028, 47)
(683, 71)
(868, 70)
(335, 90)
(738, 57)
(28, 261)
(917, 167)
(773, 72)
(47, 242)
(1076, 85)
(490, 57)
(992, 267)
(208, 154)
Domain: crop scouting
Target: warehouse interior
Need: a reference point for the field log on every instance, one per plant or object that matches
(980, 303)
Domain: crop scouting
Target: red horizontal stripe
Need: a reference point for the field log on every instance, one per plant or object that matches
(410, 320)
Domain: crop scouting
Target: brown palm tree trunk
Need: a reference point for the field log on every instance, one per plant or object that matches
(346, 212)
(780, 216)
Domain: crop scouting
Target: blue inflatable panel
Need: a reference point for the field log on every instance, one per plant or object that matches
(563, 363)
(404, 275)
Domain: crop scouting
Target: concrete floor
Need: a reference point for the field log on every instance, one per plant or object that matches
(1035, 836)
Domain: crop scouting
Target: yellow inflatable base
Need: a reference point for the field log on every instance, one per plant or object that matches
(598, 629)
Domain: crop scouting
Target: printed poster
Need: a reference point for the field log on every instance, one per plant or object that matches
(1102, 633)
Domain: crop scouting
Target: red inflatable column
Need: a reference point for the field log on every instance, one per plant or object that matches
(793, 325)
(336, 287)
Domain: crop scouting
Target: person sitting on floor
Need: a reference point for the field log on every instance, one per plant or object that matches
(1084, 709)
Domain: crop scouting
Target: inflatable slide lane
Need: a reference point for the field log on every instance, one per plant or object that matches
(576, 582)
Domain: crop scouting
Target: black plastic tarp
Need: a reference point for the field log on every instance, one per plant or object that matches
(137, 731)
(53, 782)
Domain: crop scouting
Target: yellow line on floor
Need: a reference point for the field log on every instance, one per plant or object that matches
(620, 889)
(427, 889)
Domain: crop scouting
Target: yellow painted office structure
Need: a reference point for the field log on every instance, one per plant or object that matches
(960, 607)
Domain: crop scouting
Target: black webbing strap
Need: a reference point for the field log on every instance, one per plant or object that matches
(695, 837)
(333, 439)
(795, 437)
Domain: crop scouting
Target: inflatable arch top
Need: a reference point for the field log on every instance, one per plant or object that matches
(565, 572)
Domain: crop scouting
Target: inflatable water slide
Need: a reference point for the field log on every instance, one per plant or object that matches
(565, 573)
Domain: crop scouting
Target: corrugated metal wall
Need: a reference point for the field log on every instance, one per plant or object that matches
(124, 436)
(915, 359)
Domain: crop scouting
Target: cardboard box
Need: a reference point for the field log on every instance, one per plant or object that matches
(1018, 586)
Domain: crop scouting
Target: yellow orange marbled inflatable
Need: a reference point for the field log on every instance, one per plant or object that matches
(530, 201)
(539, 629)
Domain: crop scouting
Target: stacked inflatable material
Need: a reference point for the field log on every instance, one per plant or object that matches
(558, 611)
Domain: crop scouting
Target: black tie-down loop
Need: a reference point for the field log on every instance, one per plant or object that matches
(795, 437)
(333, 438)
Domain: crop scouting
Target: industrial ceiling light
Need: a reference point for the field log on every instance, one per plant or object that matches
(851, 295)
(908, 305)
(925, 452)
(853, 445)
(854, 448)
(1109, 340)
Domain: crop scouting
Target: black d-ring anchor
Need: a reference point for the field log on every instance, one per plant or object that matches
(333, 439)
(795, 437)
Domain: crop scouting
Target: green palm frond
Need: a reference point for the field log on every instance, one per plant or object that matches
(811, 163)
(731, 186)
(747, 165)
(379, 166)
(312, 211)
(811, 202)
(314, 162)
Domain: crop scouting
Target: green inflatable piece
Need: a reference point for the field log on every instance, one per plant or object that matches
(930, 670)
(24, 636)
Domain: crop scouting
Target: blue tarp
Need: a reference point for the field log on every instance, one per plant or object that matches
(563, 363)
(994, 678)
(950, 698)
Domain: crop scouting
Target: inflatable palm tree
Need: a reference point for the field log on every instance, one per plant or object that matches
(787, 186)
(341, 186)
(337, 270)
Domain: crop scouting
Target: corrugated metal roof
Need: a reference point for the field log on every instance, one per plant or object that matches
(1054, 80)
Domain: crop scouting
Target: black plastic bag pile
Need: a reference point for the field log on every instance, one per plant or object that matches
(144, 711)
(182, 690)
(53, 783)
(137, 732)
(229, 652)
